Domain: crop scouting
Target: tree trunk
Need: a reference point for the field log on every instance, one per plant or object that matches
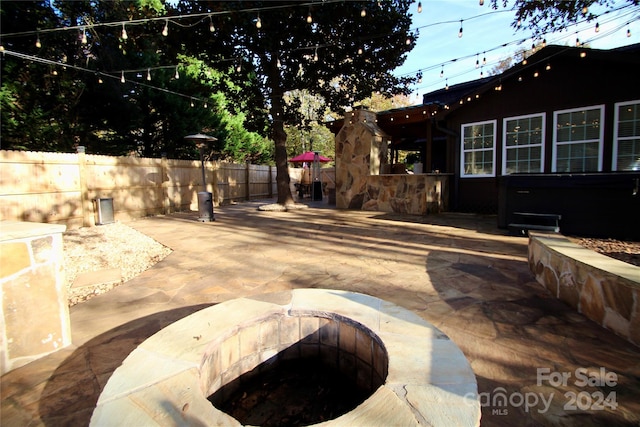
(279, 136)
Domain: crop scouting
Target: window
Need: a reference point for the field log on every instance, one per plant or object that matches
(523, 148)
(577, 145)
(626, 139)
(478, 149)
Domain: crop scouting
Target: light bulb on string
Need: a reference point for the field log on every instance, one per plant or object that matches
(259, 23)
(192, 104)
(38, 44)
(83, 39)
(446, 84)
(363, 12)
(408, 41)
(149, 74)
(548, 67)
(177, 75)
(211, 27)
(481, 2)
(315, 54)
(597, 27)
(544, 42)
(460, 32)
(519, 23)
(628, 31)
(583, 54)
(165, 30)
(309, 18)
(442, 72)
(205, 105)
(477, 61)
(122, 80)
(484, 58)
(359, 51)
(124, 35)
(577, 40)
(278, 64)
(419, 7)
(585, 10)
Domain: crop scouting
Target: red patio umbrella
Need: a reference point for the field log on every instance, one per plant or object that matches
(309, 157)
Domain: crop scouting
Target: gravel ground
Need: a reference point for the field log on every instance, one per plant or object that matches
(110, 246)
(117, 246)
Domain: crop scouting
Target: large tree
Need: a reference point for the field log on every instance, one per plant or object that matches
(67, 90)
(341, 51)
(543, 16)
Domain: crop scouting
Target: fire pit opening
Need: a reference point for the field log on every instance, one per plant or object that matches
(333, 365)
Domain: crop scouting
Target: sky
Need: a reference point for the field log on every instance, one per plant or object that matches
(485, 31)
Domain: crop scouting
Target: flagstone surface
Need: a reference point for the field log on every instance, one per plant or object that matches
(457, 271)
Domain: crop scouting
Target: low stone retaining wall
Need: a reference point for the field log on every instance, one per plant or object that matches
(418, 376)
(34, 315)
(604, 289)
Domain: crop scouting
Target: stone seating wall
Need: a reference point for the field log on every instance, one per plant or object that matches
(604, 289)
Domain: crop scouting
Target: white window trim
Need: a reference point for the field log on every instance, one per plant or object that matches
(486, 175)
(554, 155)
(616, 114)
(504, 139)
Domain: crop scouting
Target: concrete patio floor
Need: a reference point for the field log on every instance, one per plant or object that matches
(551, 365)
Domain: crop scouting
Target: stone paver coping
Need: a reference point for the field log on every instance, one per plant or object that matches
(420, 376)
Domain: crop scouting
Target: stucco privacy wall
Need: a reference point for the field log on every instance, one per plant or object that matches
(34, 317)
(604, 289)
(361, 156)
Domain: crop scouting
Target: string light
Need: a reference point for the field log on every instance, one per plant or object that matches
(165, 30)
(484, 58)
(124, 35)
(460, 32)
(149, 74)
(597, 27)
(315, 54)
(408, 41)
(481, 2)
(38, 44)
(628, 31)
(442, 72)
(548, 67)
(259, 23)
(359, 51)
(309, 18)
(477, 62)
(83, 40)
(363, 12)
(177, 75)
(211, 27)
(446, 86)
(419, 7)
(122, 80)
(577, 40)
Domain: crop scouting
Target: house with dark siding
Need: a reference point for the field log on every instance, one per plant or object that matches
(557, 135)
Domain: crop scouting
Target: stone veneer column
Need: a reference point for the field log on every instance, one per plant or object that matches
(34, 312)
(361, 150)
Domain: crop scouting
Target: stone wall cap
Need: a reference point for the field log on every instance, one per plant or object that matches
(12, 230)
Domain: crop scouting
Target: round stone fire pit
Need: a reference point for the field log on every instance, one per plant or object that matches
(413, 373)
